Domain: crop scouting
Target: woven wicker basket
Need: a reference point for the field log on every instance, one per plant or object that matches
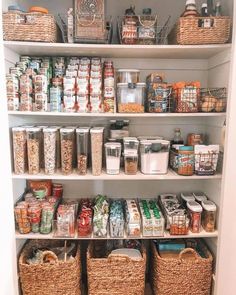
(188, 32)
(115, 275)
(182, 275)
(62, 278)
(29, 27)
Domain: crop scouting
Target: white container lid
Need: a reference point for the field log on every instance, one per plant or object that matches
(97, 130)
(128, 70)
(149, 142)
(33, 129)
(209, 205)
(200, 196)
(131, 253)
(19, 129)
(67, 130)
(82, 130)
(49, 129)
(113, 145)
(130, 139)
(137, 85)
(204, 4)
(190, 2)
(149, 137)
(194, 206)
(187, 197)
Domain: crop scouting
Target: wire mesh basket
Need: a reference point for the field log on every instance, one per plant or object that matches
(142, 30)
(213, 100)
(86, 29)
(159, 98)
(187, 99)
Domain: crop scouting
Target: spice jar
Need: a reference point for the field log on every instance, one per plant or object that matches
(209, 216)
(96, 149)
(19, 150)
(186, 160)
(131, 164)
(82, 138)
(113, 152)
(50, 135)
(34, 149)
(67, 147)
(195, 211)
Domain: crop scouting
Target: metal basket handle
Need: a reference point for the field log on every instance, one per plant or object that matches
(87, 25)
(145, 26)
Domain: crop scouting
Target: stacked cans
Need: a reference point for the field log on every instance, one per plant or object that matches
(12, 84)
(96, 102)
(83, 85)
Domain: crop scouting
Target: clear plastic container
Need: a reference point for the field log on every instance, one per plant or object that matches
(34, 149)
(186, 197)
(131, 164)
(113, 153)
(130, 97)
(82, 142)
(128, 76)
(200, 197)
(154, 156)
(58, 146)
(131, 145)
(50, 138)
(19, 149)
(96, 149)
(195, 212)
(209, 216)
(67, 147)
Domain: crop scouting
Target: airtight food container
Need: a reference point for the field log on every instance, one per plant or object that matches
(209, 216)
(128, 76)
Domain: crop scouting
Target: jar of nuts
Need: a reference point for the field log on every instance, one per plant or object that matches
(67, 147)
(19, 149)
(34, 149)
(50, 135)
(82, 138)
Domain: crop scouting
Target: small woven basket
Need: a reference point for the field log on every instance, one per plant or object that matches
(61, 278)
(29, 27)
(116, 274)
(188, 31)
(184, 275)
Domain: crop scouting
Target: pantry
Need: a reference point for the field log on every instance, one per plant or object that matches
(120, 161)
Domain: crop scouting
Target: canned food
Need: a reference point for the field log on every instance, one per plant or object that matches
(41, 102)
(12, 83)
(26, 84)
(40, 84)
(26, 102)
(55, 99)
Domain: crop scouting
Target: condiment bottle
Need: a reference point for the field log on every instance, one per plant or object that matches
(190, 9)
(218, 9)
(204, 10)
(177, 137)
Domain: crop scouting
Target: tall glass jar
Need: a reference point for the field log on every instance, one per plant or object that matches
(33, 149)
(50, 135)
(96, 149)
(82, 140)
(19, 149)
(67, 143)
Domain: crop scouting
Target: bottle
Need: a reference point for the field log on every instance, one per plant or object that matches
(177, 137)
(190, 9)
(204, 10)
(218, 9)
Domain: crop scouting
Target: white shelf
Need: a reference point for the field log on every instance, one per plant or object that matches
(116, 50)
(115, 115)
(171, 175)
(202, 234)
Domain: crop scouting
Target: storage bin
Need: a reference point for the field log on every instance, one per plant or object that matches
(188, 31)
(154, 156)
(128, 76)
(29, 27)
(130, 97)
(115, 274)
(184, 274)
(58, 278)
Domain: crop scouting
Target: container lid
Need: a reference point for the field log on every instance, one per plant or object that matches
(204, 5)
(127, 84)
(130, 139)
(200, 197)
(50, 129)
(187, 197)
(130, 153)
(151, 141)
(186, 148)
(128, 70)
(113, 145)
(209, 206)
(33, 129)
(149, 137)
(132, 253)
(67, 130)
(18, 129)
(97, 130)
(38, 9)
(82, 130)
(194, 206)
(16, 7)
(177, 146)
(190, 2)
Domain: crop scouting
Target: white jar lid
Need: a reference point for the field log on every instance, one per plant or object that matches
(113, 145)
(128, 70)
(188, 2)
(127, 84)
(187, 197)
(194, 206)
(67, 130)
(204, 5)
(97, 130)
(82, 130)
(130, 139)
(33, 129)
(18, 129)
(50, 129)
(200, 196)
(151, 141)
(209, 205)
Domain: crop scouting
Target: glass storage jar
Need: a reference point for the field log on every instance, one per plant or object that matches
(130, 97)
